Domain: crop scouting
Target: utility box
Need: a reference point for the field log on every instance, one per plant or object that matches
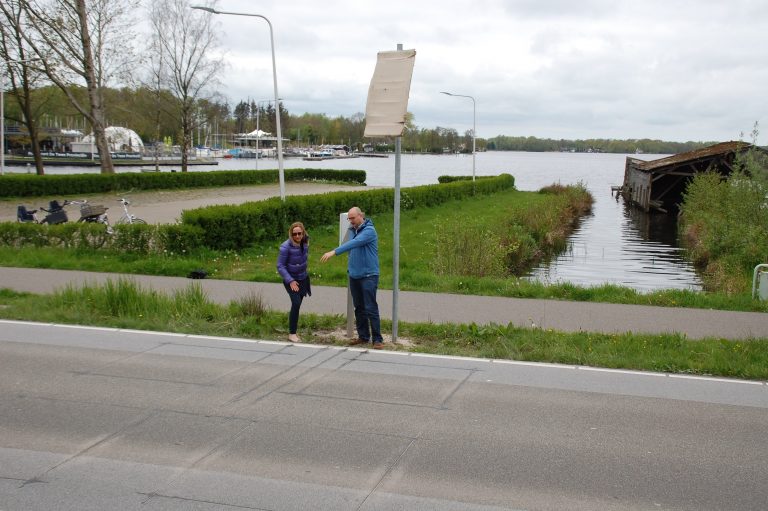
(344, 236)
(760, 282)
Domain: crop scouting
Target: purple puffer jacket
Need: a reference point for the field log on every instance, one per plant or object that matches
(292, 261)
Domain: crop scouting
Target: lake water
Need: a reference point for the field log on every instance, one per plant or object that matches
(615, 244)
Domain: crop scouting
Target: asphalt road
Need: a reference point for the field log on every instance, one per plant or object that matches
(94, 419)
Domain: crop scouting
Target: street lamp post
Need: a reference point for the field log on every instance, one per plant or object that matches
(474, 125)
(274, 79)
(2, 112)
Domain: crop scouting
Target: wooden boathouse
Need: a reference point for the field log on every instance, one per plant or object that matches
(658, 185)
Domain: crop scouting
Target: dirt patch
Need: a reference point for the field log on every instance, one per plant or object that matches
(339, 336)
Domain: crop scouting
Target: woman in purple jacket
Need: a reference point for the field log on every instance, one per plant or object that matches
(292, 266)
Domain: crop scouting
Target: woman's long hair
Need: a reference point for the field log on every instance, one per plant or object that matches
(304, 237)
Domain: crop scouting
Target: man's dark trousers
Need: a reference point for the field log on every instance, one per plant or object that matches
(366, 308)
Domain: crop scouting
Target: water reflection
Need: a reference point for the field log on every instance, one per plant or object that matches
(646, 258)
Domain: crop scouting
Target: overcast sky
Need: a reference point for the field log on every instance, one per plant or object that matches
(665, 69)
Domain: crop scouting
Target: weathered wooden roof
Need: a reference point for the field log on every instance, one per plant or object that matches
(691, 156)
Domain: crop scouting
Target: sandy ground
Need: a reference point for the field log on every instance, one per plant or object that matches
(165, 206)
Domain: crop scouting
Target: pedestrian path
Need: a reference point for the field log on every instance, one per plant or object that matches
(439, 307)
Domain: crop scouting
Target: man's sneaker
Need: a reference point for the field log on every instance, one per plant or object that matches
(357, 341)
(378, 345)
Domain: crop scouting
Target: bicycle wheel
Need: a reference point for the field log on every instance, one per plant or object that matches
(134, 220)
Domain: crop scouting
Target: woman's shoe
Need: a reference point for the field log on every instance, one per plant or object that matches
(293, 338)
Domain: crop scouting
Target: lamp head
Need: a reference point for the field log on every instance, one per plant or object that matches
(204, 8)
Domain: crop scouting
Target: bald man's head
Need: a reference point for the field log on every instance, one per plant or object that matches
(355, 217)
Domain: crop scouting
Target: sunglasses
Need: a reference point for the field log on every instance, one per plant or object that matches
(297, 234)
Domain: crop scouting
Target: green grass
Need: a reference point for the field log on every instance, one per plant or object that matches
(419, 231)
(124, 304)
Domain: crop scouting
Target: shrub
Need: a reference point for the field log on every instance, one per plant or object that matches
(724, 221)
(451, 179)
(135, 238)
(522, 237)
(237, 227)
(31, 185)
(251, 306)
(724, 226)
(469, 249)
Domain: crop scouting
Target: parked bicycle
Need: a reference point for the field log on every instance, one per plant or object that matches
(91, 213)
(128, 217)
(57, 214)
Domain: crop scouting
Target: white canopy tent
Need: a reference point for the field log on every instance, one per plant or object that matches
(118, 138)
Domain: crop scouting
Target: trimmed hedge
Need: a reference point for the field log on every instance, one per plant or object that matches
(136, 238)
(237, 227)
(451, 179)
(31, 185)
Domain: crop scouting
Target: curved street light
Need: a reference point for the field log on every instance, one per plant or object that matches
(281, 173)
(474, 125)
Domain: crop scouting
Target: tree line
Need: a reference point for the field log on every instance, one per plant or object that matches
(82, 47)
(597, 145)
(79, 64)
(218, 122)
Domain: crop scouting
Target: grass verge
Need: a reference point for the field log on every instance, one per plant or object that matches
(124, 304)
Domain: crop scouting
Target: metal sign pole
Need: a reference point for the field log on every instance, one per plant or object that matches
(396, 236)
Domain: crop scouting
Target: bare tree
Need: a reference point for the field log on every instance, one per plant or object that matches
(155, 85)
(83, 43)
(186, 39)
(16, 54)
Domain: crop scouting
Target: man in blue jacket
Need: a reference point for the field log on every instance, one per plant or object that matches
(363, 270)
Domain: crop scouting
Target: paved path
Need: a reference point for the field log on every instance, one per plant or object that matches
(166, 206)
(442, 308)
(100, 418)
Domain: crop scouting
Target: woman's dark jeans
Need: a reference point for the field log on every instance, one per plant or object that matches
(366, 309)
(293, 316)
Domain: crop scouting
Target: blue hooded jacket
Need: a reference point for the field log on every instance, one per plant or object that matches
(363, 248)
